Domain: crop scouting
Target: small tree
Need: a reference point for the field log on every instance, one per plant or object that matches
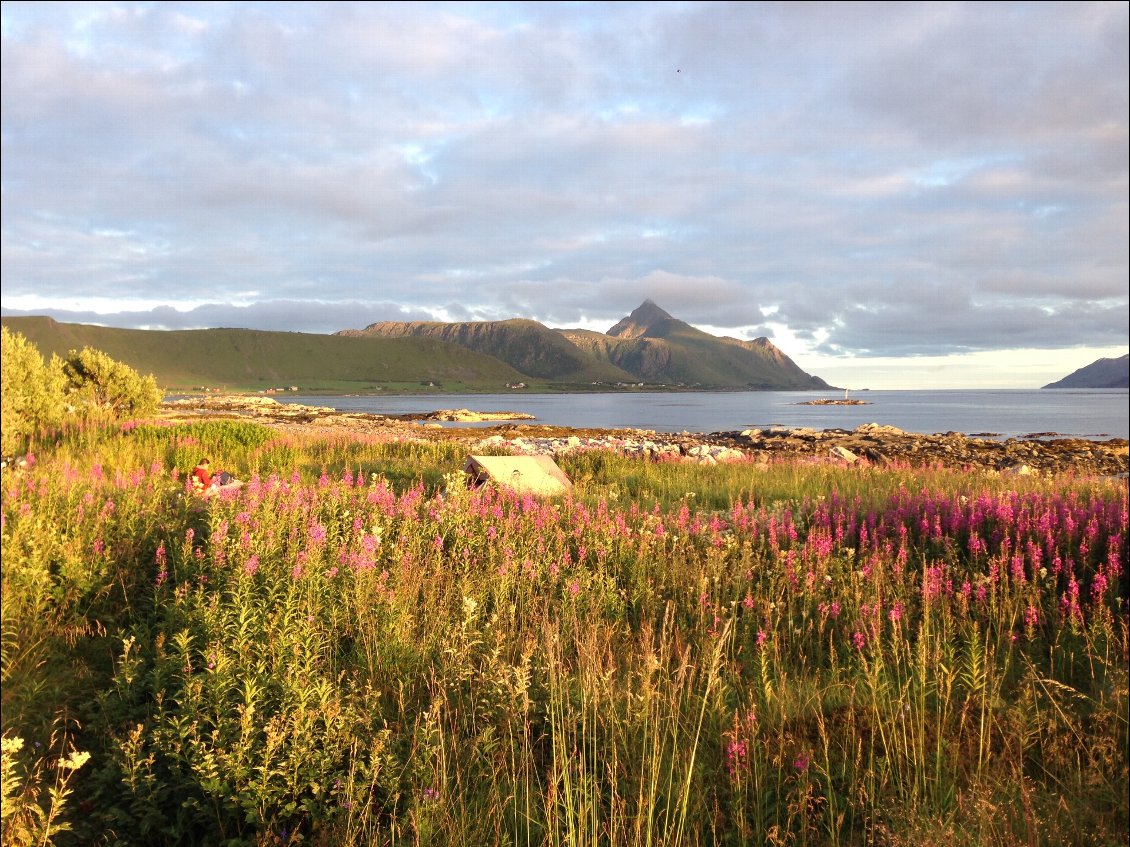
(32, 392)
(106, 386)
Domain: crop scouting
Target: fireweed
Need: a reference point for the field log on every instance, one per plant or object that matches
(350, 649)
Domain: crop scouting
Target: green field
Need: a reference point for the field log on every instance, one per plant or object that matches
(354, 649)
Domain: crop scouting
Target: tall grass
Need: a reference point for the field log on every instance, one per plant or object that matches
(353, 650)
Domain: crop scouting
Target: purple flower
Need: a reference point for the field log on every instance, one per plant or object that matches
(736, 755)
(895, 614)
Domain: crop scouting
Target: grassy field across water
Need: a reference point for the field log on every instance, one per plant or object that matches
(353, 649)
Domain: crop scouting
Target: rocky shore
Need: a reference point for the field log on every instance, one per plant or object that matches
(876, 444)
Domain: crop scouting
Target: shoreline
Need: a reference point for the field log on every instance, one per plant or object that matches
(873, 444)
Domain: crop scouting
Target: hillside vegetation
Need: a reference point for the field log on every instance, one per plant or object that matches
(647, 347)
(254, 360)
(525, 345)
(674, 352)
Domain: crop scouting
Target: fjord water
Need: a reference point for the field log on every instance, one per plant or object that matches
(1082, 413)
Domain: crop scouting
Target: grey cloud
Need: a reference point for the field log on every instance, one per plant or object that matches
(845, 170)
(902, 330)
(275, 315)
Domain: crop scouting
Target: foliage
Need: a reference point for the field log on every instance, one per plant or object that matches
(39, 396)
(99, 383)
(33, 393)
(34, 802)
(238, 359)
(351, 649)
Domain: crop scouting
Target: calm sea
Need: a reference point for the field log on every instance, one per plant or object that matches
(1093, 414)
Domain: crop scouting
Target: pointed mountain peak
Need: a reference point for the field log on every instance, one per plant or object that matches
(646, 316)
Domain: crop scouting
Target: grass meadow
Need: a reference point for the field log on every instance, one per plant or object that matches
(353, 649)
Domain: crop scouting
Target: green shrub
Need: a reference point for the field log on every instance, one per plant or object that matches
(100, 384)
(33, 393)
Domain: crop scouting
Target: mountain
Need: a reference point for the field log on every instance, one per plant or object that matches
(656, 347)
(641, 322)
(1102, 373)
(244, 359)
(648, 346)
(525, 345)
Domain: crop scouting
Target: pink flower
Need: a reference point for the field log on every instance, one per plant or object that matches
(299, 562)
(252, 564)
(736, 756)
(574, 588)
(1098, 587)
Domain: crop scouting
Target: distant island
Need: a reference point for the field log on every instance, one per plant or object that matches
(1102, 373)
(835, 401)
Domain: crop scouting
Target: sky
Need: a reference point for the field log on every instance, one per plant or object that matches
(898, 195)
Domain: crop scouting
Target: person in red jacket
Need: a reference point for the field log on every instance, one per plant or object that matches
(205, 482)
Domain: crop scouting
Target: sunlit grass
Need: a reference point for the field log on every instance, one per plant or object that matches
(351, 649)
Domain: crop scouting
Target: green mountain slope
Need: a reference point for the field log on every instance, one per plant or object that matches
(647, 346)
(242, 359)
(525, 345)
(655, 347)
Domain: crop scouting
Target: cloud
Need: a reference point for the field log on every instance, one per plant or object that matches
(873, 180)
(274, 315)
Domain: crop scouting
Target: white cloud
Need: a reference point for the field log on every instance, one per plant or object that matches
(887, 179)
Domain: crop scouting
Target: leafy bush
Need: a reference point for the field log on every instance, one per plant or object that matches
(33, 392)
(103, 385)
(39, 395)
